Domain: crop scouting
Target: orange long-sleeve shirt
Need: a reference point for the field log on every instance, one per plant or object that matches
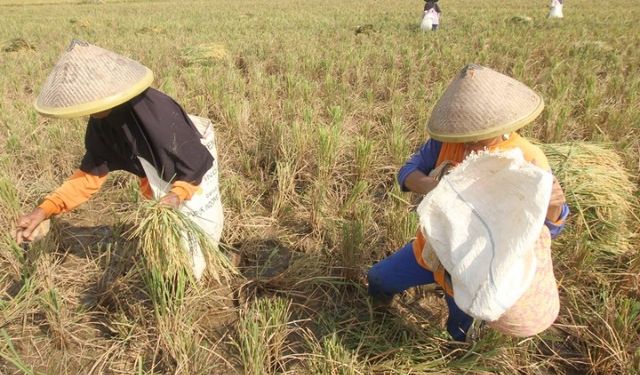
(81, 186)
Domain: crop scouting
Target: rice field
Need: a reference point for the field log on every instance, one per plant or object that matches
(316, 106)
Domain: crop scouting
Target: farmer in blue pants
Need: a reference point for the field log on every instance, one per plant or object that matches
(450, 143)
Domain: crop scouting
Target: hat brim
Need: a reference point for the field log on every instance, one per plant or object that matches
(96, 106)
(491, 132)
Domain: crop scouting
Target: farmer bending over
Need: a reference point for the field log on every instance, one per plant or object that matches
(481, 109)
(134, 128)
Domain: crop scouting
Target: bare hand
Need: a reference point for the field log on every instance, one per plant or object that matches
(171, 200)
(27, 224)
(420, 183)
(556, 202)
(557, 195)
(442, 170)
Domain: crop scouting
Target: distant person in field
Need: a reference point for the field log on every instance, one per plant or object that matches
(555, 10)
(134, 128)
(471, 116)
(432, 10)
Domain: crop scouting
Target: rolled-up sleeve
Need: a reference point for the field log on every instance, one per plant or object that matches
(423, 160)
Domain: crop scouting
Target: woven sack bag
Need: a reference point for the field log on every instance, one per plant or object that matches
(538, 307)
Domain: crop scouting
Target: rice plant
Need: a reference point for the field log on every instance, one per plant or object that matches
(56, 317)
(333, 358)
(9, 197)
(9, 354)
(263, 334)
(183, 345)
(364, 157)
(328, 145)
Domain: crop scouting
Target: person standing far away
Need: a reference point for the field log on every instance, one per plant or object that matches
(134, 128)
(556, 9)
(431, 9)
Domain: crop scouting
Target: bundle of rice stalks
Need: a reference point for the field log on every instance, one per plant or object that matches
(523, 20)
(17, 44)
(364, 29)
(83, 23)
(166, 239)
(150, 30)
(600, 193)
(590, 45)
(204, 54)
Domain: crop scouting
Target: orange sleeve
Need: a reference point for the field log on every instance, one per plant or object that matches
(73, 192)
(184, 190)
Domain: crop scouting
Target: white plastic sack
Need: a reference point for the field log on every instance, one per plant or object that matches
(205, 207)
(427, 22)
(482, 221)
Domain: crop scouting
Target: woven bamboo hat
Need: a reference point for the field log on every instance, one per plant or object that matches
(88, 79)
(481, 103)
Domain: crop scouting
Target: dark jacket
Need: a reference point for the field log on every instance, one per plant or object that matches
(152, 126)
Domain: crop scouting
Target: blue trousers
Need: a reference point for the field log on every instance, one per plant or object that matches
(399, 272)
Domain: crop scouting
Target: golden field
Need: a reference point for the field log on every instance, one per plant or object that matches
(316, 106)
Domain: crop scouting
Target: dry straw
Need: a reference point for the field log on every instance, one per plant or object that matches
(600, 193)
(162, 235)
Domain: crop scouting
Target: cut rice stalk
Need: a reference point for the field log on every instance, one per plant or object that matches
(165, 238)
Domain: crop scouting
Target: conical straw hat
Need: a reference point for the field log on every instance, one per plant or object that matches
(481, 103)
(88, 79)
(538, 307)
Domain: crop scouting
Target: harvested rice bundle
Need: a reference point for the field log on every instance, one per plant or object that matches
(524, 20)
(166, 238)
(204, 54)
(600, 193)
(16, 45)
